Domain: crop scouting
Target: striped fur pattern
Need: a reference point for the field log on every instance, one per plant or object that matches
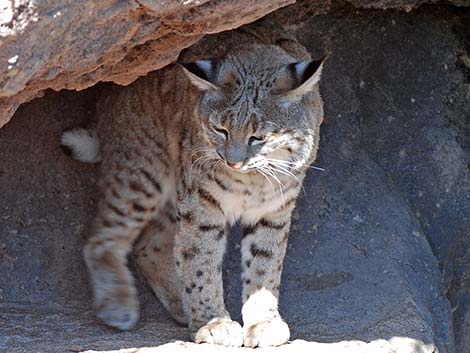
(186, 152)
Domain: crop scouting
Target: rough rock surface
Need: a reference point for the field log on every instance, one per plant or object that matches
(75, 44)
(380, 242)
(407, 5)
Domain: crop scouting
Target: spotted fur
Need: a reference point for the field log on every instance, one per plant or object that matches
(186, 152)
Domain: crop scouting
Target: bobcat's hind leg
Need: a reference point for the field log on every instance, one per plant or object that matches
(131, 199)
(155, 260)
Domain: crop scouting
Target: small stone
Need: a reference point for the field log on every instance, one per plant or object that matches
(13, 59)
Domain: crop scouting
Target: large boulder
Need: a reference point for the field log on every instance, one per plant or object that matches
(406, 5)
(399, 91)
(75, 44)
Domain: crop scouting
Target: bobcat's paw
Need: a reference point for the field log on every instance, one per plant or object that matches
(220, 331)
(119, 310)
(273, 332)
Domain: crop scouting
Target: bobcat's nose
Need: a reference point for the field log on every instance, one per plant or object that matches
(237, 165)
(235, 155)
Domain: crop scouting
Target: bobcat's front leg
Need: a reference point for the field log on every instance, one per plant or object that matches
(199, 249)
(263, 250)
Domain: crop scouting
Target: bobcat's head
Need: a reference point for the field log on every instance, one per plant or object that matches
(260, 108)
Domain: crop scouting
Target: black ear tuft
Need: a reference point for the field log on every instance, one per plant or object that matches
(200, 68)
(202, 73)
(310, 70)
(306, 74)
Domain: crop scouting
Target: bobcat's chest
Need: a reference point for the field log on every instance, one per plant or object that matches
(249, 200)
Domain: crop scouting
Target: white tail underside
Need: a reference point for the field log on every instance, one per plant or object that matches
(83, 144)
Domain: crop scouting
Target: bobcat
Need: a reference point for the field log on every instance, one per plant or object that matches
(188, 151)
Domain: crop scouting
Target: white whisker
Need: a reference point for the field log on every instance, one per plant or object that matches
(208, 159)
(288, 173)
(269, 170)
(214, 166)
(266, 177)
(199, 150)
(282, 168)
(207, 156)
(294, 164)
(195, 162)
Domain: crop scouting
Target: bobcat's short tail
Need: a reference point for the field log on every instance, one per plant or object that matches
(82, 145)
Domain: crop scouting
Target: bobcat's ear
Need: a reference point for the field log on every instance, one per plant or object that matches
(304, 76)
(202, 73)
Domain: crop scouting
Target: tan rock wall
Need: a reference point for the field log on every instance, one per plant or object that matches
(75, 44)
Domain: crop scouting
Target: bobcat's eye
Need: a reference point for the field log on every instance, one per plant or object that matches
(221, 131)
(256, 140)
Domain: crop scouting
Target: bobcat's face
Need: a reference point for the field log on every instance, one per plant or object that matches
(256, 111)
